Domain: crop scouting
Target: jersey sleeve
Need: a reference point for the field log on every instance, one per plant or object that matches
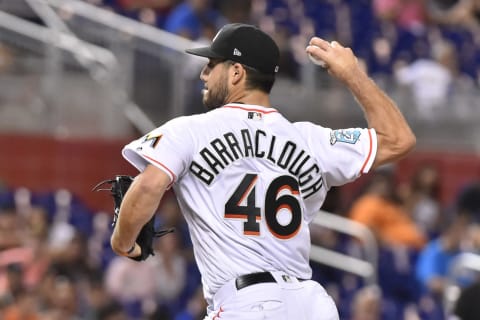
(167, 147)
(343, 154)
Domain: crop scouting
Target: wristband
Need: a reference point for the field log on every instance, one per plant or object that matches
(130, 250)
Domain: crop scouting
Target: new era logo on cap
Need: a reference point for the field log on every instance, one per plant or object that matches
(245, 44)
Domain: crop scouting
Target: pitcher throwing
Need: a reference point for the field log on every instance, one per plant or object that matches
(249, 181)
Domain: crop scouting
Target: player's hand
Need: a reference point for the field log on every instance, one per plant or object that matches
(340, 61)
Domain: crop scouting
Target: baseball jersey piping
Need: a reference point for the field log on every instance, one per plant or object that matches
(170, 172)
(250, 109)
(218, 314)
(369, 151)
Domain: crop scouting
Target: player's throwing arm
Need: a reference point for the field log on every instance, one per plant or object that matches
(394, 136)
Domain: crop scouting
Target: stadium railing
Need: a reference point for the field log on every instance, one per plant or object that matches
(363, 267)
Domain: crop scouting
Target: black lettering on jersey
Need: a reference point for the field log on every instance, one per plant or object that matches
(211, 160)
(247, 143)
(306, 176)
(271, 149)
(317, 185)
(221, 149)
(201, 173)
(259, 154)
(233, 144)
(287, 153)
(296, 171)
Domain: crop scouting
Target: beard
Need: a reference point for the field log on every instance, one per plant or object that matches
(216, 96)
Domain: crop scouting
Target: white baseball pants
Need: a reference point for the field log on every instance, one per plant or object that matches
(285, 299)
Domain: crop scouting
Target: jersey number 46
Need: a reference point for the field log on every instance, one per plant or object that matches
(282, 194)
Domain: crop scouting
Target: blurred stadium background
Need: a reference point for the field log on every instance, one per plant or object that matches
(79, 79)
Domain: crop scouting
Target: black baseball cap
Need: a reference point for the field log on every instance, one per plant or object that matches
(245, 44)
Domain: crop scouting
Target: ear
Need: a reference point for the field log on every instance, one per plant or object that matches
(237, 73)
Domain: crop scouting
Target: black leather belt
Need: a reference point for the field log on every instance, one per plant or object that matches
(253, 278)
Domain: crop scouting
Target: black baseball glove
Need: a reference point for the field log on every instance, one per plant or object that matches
(119, 186)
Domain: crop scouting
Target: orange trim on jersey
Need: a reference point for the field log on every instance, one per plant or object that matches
(291, 235)
(235, 215)
(285, 206)
(251, 233)
(250, 109)
(287, 187)
(369, 152)
(240, 216)
(218, 314)
(174, 177)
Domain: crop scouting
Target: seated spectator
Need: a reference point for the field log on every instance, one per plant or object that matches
(159, 280)
(24, 245)
(60, 295)
(406, 14)
(366, 304)
(195, 308)
(170, 267)
(454, 12)
(9, 234)
(136, 294)
(379, 210)
(188, 18)
(422, 198)
(430, 78)
(24, 307)
(13, 284)
(236, 11)
(436, 258)
(98, 304)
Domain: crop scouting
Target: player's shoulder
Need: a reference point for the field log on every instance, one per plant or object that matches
(307, 126)
(185, 122)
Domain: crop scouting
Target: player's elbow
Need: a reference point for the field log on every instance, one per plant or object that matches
(394, 147)
(408, 143)
(402, 144)
(411, 143)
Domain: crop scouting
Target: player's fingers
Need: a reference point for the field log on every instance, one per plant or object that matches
(319, 42)
(335, 44)
(316, 52)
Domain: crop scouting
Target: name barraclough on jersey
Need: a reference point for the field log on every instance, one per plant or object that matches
(224, 150)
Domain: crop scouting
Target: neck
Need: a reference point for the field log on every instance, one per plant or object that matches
(255, 97)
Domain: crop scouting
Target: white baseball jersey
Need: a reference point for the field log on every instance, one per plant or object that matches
(248, 182)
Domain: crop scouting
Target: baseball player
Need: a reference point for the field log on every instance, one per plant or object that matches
(248, 181)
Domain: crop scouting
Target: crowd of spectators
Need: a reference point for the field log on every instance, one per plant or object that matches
(385, 34)
(55, 260)
(419, 241)
(430, 48)
(56, 263)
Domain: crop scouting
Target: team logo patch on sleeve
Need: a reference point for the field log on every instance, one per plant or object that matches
(153, 138)
(344, 135)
